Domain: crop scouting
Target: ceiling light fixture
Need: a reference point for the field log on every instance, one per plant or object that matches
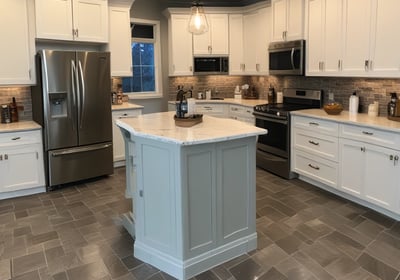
(198, 21)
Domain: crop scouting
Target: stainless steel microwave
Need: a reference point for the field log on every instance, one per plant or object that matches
(287, 58)
(211, 65)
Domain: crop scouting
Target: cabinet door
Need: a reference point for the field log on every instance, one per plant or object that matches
(295, 20)
(324, 41)
(315, 36)
(279, 16)
(351, 167)
(180, 49)
(382, 177)
(385, 45)
(91, 20)
(236, 44)
(17, 43)
(120, 42)
(357, 19)
(54, 19)
(257, 36)
(250, 32)
(118, 140)
(21, 167)
(215, 41)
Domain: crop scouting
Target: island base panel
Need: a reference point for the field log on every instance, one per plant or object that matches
(183, 270)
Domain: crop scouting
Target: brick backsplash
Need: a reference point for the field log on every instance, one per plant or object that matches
(368, 89)
(22, 97)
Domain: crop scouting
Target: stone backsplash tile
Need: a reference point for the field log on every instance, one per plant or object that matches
(22, 97)
(368, 89)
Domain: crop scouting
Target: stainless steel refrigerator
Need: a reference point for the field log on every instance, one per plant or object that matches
(72, 103)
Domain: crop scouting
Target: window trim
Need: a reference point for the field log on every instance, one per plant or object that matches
(158, 93)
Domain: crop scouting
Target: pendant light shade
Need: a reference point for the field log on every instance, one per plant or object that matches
(198, 22)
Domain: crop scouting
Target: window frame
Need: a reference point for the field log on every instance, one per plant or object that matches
(157, 60)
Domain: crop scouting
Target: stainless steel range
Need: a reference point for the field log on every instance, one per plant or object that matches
(273, 149)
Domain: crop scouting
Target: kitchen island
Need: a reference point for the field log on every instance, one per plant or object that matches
(194, 191)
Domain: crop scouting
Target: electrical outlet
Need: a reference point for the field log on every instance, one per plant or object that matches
(331, 95)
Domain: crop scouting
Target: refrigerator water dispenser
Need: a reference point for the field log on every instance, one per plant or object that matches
(58, 105)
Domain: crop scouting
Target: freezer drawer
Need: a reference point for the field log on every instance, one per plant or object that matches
(74, 164)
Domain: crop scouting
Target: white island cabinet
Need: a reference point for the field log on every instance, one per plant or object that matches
(194, 200)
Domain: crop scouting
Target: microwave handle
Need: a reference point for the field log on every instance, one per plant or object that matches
(292, 58)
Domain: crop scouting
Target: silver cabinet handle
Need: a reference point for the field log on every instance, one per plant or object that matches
(16, 138)
(362, 149)
(5, 157)
(1, 157)
(367, 133)
(313, 166)
(313, 123)
(366, 65)
(396, 159)
(314, 143)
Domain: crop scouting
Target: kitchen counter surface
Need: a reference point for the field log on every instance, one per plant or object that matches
(233, 101)
(19, 126)
(161, 126)
(125, 106)
(358, 119)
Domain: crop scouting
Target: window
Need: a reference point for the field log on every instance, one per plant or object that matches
(146, 61)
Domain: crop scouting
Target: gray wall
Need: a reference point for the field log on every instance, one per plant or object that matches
(152, 10)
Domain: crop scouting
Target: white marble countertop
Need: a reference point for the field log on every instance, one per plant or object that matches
(161, 127)
(126, 106)
(233, 101)
(357, 119)
(19, 126)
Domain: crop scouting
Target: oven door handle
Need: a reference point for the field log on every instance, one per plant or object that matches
(276, 119)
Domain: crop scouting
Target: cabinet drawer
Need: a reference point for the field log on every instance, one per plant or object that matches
(317, 144)
(316, 125)
(318, 169)
(237, 110)
(20, 138)
(212, 109)
(370, 135)
(118, 114)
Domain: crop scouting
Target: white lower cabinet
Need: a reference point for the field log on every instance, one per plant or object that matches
(370, 172)
(315, 149)
(241, 113)
(358, 160)
(212, 109)
(21, 162)
(118, 140)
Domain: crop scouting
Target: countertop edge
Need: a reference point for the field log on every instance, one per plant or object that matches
(19, 126)
(167, 139)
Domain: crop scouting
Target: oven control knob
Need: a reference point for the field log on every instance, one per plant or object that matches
(278, 114)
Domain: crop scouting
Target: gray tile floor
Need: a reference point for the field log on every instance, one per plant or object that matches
(303, 233)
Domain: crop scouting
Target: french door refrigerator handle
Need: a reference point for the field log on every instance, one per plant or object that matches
(81, 150)
(82, 109)
(73, 81)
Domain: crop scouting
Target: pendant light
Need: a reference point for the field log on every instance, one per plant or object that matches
(198, 22)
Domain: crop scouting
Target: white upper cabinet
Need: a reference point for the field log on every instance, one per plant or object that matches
(257, 36)
(180, 46)
(79, 20)
(287, 20)
(236, 60)
(385, 45)
(120, 41)
(17, 46)
(324, 37)
(356, 32)
(215, 41)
